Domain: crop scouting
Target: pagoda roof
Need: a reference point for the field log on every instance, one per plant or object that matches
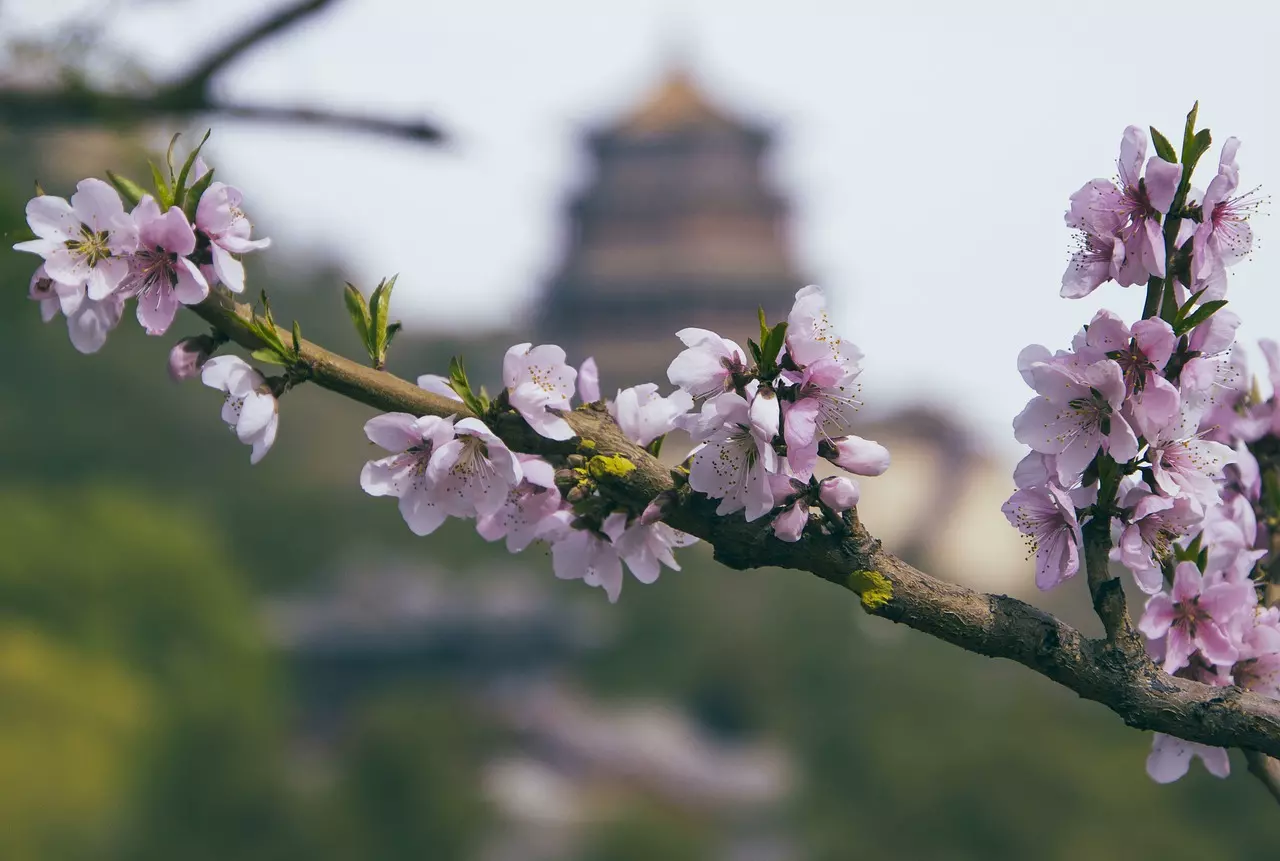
(676, 105)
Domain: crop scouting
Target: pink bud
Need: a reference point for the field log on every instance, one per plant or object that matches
(857, 455)
(839, 493)
(789, 525)
(189, 355)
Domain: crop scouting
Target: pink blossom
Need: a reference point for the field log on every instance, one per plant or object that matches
(528, 506)
(709, 366)
(1077, 414)
(220, 219)
(88, 321)
(857, 455)
(589, 381)
(1224, 237)
(789, 523)
(83, 242)
(822, 409)
(1142, 353)
(1100, 253)
(1195, 617)
(189, 355)
(644, 415)
(811, 336)
(734, 463)
(1184, 464)
(403, 475)
(160, 274)
(1151, 525)
(438, 385)
(539, 383)
(1171, 757)
(645, 548)
(473, 473)
(250, 408)
(1129, 213)
(839, 493)
(1047, 517)
(582, 554)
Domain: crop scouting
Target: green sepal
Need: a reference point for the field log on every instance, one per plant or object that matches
(1164, 149)
(655, 448)
(128, 189)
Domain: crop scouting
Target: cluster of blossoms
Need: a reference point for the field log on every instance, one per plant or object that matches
(760, 419)
(97, 255)
(760, 427)
(168, 250)
(1153, 425)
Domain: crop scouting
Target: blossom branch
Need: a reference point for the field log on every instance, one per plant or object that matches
(996, 626)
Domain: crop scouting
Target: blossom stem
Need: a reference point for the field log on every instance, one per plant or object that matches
(1155, 289)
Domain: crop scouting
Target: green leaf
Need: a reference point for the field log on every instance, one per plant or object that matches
(1190, 303)
(269, 356)
(195, 193)
(392, 330)
(754, 349)
(1204, 312)
(163, 194)
(129, 190)
(1199, 146)
(459, 383)
(168, 156)
(380, 307)
(358, 310)
(297, 340)
(179, 186)
(1189, 130)
(1164, 149)
(764, 324)
(773, 344)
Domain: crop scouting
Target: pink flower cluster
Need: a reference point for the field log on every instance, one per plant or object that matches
(759, 436)
(97, 256)
(440, 468)
(1119, 223)
(1148, 424)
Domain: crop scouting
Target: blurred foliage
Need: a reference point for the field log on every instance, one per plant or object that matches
(144, 716)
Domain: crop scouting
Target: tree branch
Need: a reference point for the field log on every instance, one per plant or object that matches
(193, 95)
(997, 626)
(199, 78)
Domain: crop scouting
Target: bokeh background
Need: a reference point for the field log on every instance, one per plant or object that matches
(203, 660)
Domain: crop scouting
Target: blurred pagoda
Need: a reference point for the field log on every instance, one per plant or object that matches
(677, 226)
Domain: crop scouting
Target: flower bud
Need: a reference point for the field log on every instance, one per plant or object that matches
(658, 508)
(189, 355)
(839, 493)
(789, 524)
(566, 478)
(857, 455)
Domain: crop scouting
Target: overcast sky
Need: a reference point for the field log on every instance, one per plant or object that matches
(929, 149)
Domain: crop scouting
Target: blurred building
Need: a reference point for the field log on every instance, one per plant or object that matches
(678, 226)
